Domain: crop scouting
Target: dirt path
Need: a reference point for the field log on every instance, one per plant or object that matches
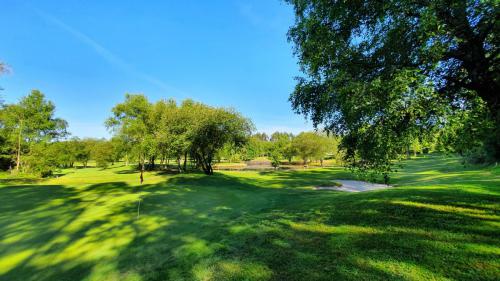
(354, 186)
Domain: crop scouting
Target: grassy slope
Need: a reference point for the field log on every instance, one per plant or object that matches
(442, 222)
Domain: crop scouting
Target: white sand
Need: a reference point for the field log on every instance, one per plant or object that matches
(354, 186)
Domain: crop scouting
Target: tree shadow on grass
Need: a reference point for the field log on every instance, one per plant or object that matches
(14, 181)
(227, 227)
(303, 235)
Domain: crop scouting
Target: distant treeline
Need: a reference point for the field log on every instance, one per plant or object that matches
(148, 135)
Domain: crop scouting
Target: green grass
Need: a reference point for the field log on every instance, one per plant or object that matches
(440, 222)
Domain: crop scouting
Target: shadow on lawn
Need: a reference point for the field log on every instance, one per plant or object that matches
(228, 228)
(13, 181)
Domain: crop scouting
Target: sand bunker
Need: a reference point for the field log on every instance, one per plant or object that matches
(354, 186)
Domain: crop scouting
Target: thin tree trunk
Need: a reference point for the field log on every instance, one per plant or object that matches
(142, 159)
(185, 161)
(18, 158)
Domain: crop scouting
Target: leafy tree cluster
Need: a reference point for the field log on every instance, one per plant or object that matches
(33, 141)
(26, 128)
(383, 74)
(309, 145)
(165, 130)
(282, 145)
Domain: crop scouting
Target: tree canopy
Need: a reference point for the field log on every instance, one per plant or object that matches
(169, 130)
(26, 126)
(382, 73)
(31, 122)
(310, 145)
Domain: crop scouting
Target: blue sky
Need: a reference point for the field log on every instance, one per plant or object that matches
(85, 55)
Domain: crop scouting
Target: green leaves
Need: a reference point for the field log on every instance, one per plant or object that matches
(309, 145)
(29, 124)
(215, 127)
(34, 117)
(164, 129)
(382, 73)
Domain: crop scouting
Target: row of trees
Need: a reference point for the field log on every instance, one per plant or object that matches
(166, 130)
(306, 146)
(33, 140)
(30, 139)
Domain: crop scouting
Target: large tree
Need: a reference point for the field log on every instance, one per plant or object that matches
(214, 128)
(282, 142)
(30, 122)
(176, 129)
(310, 145)
(132, 120)
(381, 73)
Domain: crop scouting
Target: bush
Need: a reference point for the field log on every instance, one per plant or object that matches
(46, 173)
(477, 155)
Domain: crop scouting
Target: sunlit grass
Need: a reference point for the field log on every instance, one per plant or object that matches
(440, 222)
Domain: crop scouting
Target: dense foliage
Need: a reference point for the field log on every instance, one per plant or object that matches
(308, 145)
(33, 141)
(384, 73)
(27, 126)
(165, 130)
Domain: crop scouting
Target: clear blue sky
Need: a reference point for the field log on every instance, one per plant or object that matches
(86, 54)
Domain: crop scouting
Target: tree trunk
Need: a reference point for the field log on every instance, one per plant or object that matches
(210, 170)
(18, 158)
(152, 162)
(142, 160)
(185, 161)
(141, 177)
(205, 163)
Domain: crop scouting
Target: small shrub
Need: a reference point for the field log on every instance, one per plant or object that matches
(46, 173)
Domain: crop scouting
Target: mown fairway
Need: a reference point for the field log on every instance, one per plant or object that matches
(442, 222)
